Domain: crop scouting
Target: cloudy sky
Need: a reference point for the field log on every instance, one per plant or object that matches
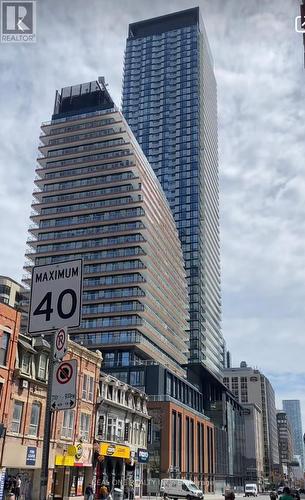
(259, 68)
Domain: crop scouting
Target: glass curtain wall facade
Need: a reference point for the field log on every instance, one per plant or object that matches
(98, 199)
(292, 408)
(169, 100)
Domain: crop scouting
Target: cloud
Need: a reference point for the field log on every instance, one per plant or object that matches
(259, 69)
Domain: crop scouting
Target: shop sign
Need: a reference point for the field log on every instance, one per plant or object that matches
(2, 479)
(71, 450)
(31, 455)
(79, 451)
(114, 450)
(75, 450)
(65, 460)
(126, 431)
(143, 455)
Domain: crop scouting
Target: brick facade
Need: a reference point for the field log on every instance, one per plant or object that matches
(9, 330)
(25, 434)
(182, 444)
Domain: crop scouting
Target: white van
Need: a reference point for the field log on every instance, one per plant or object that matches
(180, 488)
(251, 490)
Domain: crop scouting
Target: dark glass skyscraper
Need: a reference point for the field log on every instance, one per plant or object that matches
(170, 103)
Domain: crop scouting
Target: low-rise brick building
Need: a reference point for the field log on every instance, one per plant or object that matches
(9, 330)
(71, 445)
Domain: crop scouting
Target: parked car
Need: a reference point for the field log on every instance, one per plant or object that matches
(180, 488)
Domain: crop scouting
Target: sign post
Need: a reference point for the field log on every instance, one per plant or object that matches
(55, 303)
(47, 429)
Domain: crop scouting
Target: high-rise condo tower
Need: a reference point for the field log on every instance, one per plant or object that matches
(170, 103)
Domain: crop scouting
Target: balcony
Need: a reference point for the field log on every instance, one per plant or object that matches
(78, 117)
(80, 136)
(101, 155)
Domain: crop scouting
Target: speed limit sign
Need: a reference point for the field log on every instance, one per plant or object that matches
(56, 292)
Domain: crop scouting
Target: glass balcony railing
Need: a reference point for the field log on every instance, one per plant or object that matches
(78, 117)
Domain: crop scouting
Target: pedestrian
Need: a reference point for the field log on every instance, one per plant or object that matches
(131, 493)
(286, 494)
(104, 491)
(17, 488)
(89, 492)
(109, 496)
(273, 495)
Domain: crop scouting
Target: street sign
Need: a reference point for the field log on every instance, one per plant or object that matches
(61, 343)
(56, 291)
(64, 385)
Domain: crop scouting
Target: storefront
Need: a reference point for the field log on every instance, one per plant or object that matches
(25, 462)
(120, 467)
(72, 473)
(111, 466)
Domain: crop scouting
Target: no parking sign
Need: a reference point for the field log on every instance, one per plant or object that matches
(64, 385)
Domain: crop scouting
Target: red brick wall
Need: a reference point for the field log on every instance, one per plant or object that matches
(10, 318)
(164, 409)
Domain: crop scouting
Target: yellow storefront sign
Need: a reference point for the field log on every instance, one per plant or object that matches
(114, 450)
(64, 460)
(72, 450)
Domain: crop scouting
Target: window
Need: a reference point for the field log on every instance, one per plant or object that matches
(120, 429)
(244, 389)
(4, 340)
(26, 362)
(101, 426)
(6, 290)
(68, 424)
(17, 416)
(35, 418)
(85, 387)
(42, 367)
(111, 428)
(136, 378)
(88, 385)
(90, 388)
(123, 358)
(85, 426)
(109, 359)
